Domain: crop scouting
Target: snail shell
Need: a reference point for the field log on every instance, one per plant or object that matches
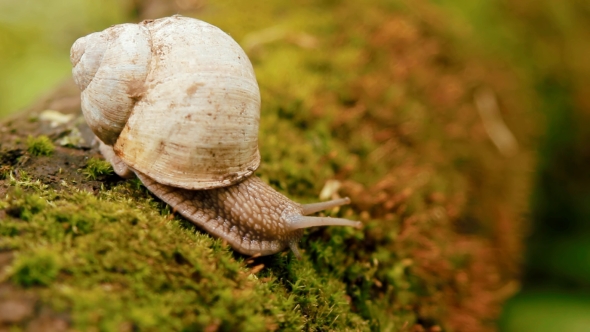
(139, 80)
(175, 102)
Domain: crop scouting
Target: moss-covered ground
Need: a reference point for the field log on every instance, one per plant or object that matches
(372, 101)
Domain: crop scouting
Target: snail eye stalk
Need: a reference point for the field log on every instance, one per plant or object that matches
(304, 221)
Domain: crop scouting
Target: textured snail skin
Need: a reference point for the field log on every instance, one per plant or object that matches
(250, 215)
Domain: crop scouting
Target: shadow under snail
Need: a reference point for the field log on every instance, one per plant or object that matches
(175, 102)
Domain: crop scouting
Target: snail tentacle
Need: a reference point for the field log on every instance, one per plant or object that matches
(299, 222)
(308, 209)
(295, 248)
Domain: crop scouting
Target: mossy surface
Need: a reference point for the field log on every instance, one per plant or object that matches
(97, 168)
(116, 262)
(381, 110)
(40, 146)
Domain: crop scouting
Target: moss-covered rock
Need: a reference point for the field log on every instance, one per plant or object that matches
(369, 101)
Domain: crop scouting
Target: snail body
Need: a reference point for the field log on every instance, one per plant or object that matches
(175, 102)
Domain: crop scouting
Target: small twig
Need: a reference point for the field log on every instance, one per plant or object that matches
(487, 106)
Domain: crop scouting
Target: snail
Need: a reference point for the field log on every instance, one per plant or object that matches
(175, 102)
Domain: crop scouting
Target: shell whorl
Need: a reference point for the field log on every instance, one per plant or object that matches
(110, 67)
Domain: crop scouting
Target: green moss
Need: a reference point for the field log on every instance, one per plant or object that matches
(40, 146)
(113, 262)
(26, 206)
(39, 268)
(96, 168)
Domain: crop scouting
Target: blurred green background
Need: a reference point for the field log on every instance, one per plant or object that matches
(547, 40)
